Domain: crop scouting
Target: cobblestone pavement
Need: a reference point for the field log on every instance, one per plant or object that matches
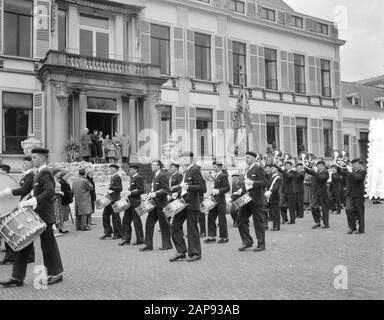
(298, 264)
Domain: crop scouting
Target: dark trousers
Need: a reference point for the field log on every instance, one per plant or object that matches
(355, 211)
(194, 245)
(335, 201)
(316, 202)
(81, 221)
(283, 206)
(86, 158)
(291, 206)
(258, 223)
(218, 211)
(51, 256)
(10, 254)
(299, 204)
(155, 215)
(274, 212)
(234, 215)
(125, 159)
(116, 222)
(202, 222)
(126, 230)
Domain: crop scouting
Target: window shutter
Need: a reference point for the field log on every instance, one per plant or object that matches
(291, 73)
(1, 25)
(179, 123)
(259, 9)
(318, 77)
(312, 75)
(38, 116)
(145, 41)
(287, 142)
(263, 132)
(293, 137)
(321, 140)
(41, 32)
(281, 17)
(220, 134)
(256, 132)
(284, 70)
(192, 129)
(339, 135)
(219, 58)
(254, 65)
(336, 70)
(230, 61)
(309, 24)
(190, 54)
(354, 147)
(288, 19)
(179, 51)
(260, 51)
(251, 9)
(315, 136)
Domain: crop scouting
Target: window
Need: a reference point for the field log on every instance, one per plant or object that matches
(239, 59)
(357, 101)
(346, 143)
(301, 135)
(237, 6)
(323, 28)
(126, 41)
(202, 56)
(363, 143)
(273, 131)
(328, 137)
(166, 124)
(62, 30)
(94, 36)
(204, 132)
(326, 78)
(268, 14)
(270, 69)
(297, 22)
(18, 17)
(299, 64)
(17, 120)
(160, 52)
(101, 104)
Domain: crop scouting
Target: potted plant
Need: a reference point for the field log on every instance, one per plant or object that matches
(72, 148)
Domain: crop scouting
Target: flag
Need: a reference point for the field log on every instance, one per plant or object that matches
(242, 114)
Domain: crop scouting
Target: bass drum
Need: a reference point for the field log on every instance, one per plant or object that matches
(8, 203)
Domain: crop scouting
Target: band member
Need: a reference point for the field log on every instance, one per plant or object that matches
(288, 189)
(355, 177)
(273, 196)
(335, 190)
(159, 192)
(191, 186)
(255, 181)
(115, 188)
(26, 186)
(201, 219)
(237, 189)
(136, 189)
(319, 198)
(299, 190)
(42, 200)
(220, 188)
(175, 178)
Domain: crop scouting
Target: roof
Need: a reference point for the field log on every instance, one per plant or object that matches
(275, 3)
(368, 94)
(372, 80)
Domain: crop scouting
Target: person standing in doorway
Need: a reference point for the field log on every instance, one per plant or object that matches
(85, 142)
(125, 147)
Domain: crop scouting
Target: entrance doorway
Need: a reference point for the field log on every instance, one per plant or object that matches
(106, 122)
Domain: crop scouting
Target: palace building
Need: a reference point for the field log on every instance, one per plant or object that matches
(169, 65)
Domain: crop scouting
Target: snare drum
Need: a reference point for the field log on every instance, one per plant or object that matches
(208, 204)
(8, 203)
(145, 207)
(103, 202)
(121, 205)
(21, 227)
(242, 201)
(174, 208)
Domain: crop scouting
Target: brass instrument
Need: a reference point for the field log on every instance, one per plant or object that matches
(277, 155)
(308, 160)
(341, 159)
(288, 157)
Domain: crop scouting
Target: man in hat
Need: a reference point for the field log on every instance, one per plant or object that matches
(288, 189)
(255, 182)
(220, 188)
(273, 196)
(191, 186)
(42, 201)
(136, 189)
(319, 198)
(115, 188)
(335, 189)
(159, 192)
(26, 186)
(355, 209)
(299, 190)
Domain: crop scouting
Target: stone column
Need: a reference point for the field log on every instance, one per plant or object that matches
(152, 121)
(83, 110)
(132, 123)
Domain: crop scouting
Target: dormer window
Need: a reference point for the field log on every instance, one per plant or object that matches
(355, 99)
(380, 102)
(268, 14)
(237, 6)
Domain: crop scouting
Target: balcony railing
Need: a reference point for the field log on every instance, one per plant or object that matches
(77, 61)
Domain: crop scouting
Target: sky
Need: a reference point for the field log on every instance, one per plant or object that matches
(362, 26)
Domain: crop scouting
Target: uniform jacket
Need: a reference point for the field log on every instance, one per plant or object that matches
(236, 185)
(196, 186)
(319, 182)
(174, 181)
(137, 189)
(26, 185)
(222, 184)
(82, 191)
(161, 188)
(116, 186)
(259, 178)
(44, 192)
(336, 184)
(355, 183)
(288, 181)
(299, 181)
(275, 196)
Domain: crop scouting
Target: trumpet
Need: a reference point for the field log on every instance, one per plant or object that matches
(308, 160)
(341, 159)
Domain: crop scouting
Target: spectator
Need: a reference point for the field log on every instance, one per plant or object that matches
(89, 176)
(83, 206)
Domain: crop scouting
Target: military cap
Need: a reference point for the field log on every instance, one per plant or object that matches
(175, 165)
(27, 158)
(114, 165)
(320, 162)
(40, 150)
(251, 153)
(134, 166)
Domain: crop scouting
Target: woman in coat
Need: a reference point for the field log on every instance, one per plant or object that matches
(101, 151)
(89, 177)
(67, 197)
(117, 142)
(109, 149)
(83, 206)
(125, 147)
(57, 203)
(95, 154)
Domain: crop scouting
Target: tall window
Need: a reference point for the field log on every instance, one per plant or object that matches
(94, 36)
(326, 78)
(62, 30)
(160, 47)
(18, 17)
(328, 137)
(270, 69)
(299, 62)
(346, 143)
(166, 124)
(126, 41)
(301, 134)
(323, 28)
(204, 132)
(363, 142)
(297, 22)
(202, 56)
(237, 6)
(239, 59)
(17, 120)
(268, 14)
(273, 131)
